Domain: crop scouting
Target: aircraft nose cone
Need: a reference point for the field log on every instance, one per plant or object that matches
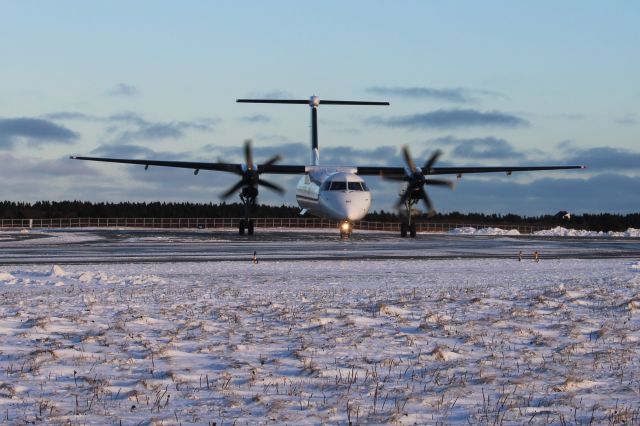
(354, 210)
(354, 213)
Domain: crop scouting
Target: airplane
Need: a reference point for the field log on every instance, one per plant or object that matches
(332, 192)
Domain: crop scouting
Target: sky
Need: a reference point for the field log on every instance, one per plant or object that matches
(492, 83)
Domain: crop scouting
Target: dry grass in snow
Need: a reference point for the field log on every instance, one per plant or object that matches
(455, 341)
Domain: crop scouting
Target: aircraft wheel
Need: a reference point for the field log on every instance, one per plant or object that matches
(241, 227)
(412, 230)
(403, 230)
(250, 228)
(345, 230)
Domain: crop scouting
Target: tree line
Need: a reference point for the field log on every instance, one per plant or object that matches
(73, 209)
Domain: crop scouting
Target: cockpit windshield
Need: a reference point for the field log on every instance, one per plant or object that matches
(338, 186)
(343, 186)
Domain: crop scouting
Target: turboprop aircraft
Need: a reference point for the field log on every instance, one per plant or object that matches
(329, 191)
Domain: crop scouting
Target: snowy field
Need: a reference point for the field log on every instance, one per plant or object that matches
(307, 342)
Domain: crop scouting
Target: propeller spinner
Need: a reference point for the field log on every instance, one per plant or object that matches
(250, 177)
(416, 181)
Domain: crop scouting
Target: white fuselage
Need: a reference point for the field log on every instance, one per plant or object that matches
(334, 193)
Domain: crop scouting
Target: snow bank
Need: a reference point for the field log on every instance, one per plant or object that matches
(468, 230)
(6, 277)
(559, 231)
(57, 271)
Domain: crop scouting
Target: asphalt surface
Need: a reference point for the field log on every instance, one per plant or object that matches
(130, 246)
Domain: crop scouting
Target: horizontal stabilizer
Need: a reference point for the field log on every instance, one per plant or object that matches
(308, 102)
(274, 101)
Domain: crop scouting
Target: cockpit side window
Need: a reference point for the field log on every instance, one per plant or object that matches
(338, 186)
(325, 185)
(364, 186)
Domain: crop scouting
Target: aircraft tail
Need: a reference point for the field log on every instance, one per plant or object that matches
(313, 102)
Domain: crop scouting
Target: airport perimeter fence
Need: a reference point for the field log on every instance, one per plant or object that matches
(218, 222)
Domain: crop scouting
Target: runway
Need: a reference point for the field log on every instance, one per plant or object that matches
(96, 246)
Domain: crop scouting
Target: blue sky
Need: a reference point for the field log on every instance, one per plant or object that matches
(489, 83)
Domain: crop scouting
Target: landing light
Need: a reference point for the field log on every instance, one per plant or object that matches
(345, 227)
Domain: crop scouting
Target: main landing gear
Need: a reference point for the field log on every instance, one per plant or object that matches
(414, 191)
(245, 225)
(248, 197)
(408, 228)
(248, 186)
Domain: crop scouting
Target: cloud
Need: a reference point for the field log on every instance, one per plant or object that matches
(152, 131)
(258, 118)
(291, 152)
(128, 151)
(67, 115)
(123, 89)
(479, 148)
(455, 95)
(273, 94)
(62, 167)
(601, 193)
(567, 145)
(566, 116)
(35, 131)
(126, 127)
(127, 117)
(32, 179)
(628, 120)
(147, 130)
(300, 153)
(349, 156)
(604, 158)
(451, 119)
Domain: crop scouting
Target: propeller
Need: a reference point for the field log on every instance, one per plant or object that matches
(416, 180)
(250, 176)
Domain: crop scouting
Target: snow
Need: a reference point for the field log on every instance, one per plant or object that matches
(49, 236)
(558, 231)
(468, 230)
(308, 342)
(6, 277)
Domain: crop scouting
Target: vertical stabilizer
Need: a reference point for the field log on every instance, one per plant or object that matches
(313, 102)
(315, 150)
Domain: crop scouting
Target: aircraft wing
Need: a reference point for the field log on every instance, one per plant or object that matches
(194, 165)
(300, 169)
(400, 171)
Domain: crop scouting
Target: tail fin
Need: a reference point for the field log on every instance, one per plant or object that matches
(313, 102)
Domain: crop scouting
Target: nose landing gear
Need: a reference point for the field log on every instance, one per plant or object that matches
(345, 229)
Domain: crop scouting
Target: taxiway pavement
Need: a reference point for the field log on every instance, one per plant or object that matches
(129, 246)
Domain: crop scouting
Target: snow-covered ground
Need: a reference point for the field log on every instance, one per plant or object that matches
(307, 342)
(54, 236)
(68, 235)
(558, 231)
